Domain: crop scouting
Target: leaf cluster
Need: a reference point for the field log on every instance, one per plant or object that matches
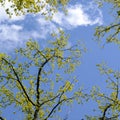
(108, 103)
(111, 32)
(45, 7)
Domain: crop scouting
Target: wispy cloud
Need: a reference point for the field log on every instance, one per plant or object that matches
(9, 36)
(15, 31)
(10, 32)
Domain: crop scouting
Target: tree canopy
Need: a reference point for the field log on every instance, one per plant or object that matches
(46, 7)
(34, 93)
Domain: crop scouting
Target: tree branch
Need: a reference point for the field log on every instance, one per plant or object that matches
(1, 118)
(38, 79)
(49, 100)
(37, 88)
(108, 28)
(18, 80)
(59, 102)
(105, 110)
(113, 118)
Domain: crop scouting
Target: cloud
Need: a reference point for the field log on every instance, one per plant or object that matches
(9, 32)
(79, 15)
(9, 36)
(46, 27)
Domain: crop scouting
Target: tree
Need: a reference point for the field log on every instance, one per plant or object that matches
(108, 103)
(110, 32)
(46, 7)
(35, 80)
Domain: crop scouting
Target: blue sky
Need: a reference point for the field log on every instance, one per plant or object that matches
(34, 26)
(80, 23)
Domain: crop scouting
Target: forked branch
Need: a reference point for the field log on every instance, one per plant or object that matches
(18, 80)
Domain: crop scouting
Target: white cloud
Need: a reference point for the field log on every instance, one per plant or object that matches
(16, 27)
(78, 16)
(46, 27)
(9, 37)
(10, 33)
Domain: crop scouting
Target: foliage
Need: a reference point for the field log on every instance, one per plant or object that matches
(115, 3)
(46, 7)
(110, 32)
(108, 99)
(34, 80)
(39, 81)
(108, 103)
